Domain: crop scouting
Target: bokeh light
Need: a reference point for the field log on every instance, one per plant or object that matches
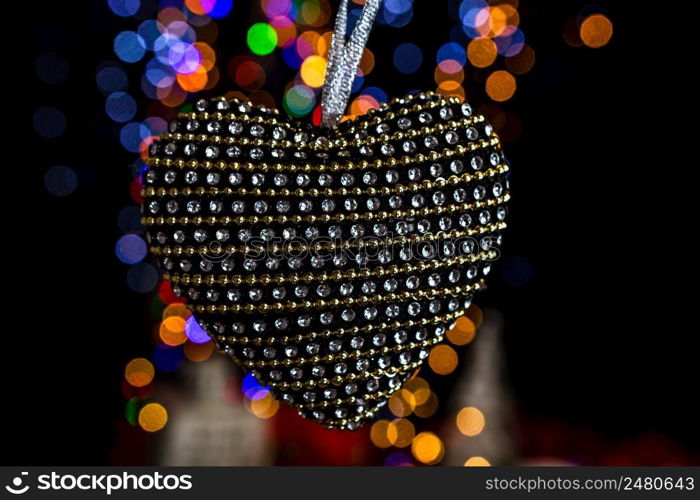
(218, 8)
(571, 33)
(522, 62)
(379, 434)
(135, 189)
(262, 39)
(142, 277)
(167, 359)
(166, 295)
(442, 359)
(172, 331)
(400, 432)
(500, 85)
(124, 8)
(366, 62)
(449, 69)
(132, 134)
(314, 13)
(111, 79)
(199, 7)
(249, 75)
(398, 459)
(512, 44)
(299, 100)
(129, 46)
(471, 15)
(153, 417)
(402, 403)
(286, 30)
(264, 407)
(150, 31)
(139, 372)
(482, 52)
(195, 332)
(395, 13)
(306, 44)
(120, 107)
(313, 71)
(291, 56)
(184, 58)
(451, 89)
(198, 352)
(470, 421)
(159, 74)
(252, 389)
(408, 58)
(477, 462)
(427, 448)
(323, 44)
(362, 104)
(276, 8)
(156, 125)
(419, 389)
(60, 180)
(52, 68)
(262, 98)
(452, 51)
(427, 408)
(463, 331)
(377, 94)
(207, 55)
(194, 81)
(596, 31)
(176, 309)
(49, 122)
(131, 249)
(131, 410)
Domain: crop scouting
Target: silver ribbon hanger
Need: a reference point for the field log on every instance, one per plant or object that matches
(343, 59)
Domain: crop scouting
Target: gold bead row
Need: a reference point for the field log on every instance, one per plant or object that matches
(279, 307)
(375, 117)
(338, 380)
(368, 118)
(413, 187)
(324, 218)
(336, 403)
(294, 278)
(341, 423)
(446, 153)
(276, 248)
(330, 144)
(341, 356)
(344, 332)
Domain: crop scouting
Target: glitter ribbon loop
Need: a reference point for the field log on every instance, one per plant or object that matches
(343, 59)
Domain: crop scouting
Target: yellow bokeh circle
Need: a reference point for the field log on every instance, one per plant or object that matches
(470, 421)
(153, 417)
(427, 448)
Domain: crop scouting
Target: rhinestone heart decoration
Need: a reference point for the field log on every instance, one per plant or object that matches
(327, 262)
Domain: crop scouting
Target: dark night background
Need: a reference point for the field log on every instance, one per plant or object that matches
(596, 339)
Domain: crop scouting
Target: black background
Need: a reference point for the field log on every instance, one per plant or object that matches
(599, 336)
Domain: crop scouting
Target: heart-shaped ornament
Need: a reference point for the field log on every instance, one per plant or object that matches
(327, 262)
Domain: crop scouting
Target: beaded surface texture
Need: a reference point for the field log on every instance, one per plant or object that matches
(327, 262)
